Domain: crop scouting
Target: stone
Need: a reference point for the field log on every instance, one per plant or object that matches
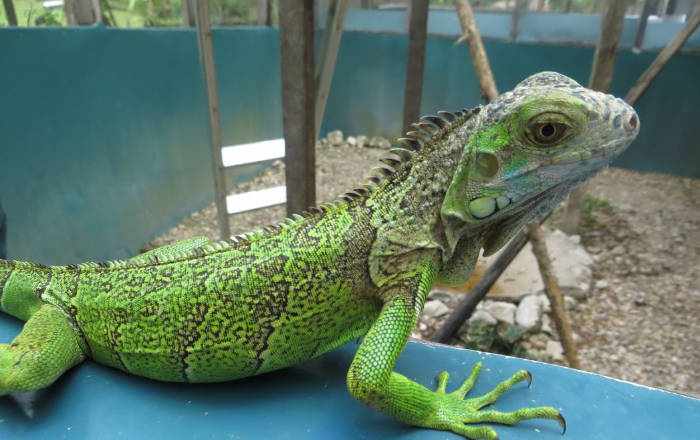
(335, 138)
(502, 311)
(571, 264)
(529, 312)
(478, 336)
(434, 309)
(361, 141)
(482, 316)
(601, 284)
(570, 303)
(379, 142)
(351, 141)
(554, 350)
(547, 325)
(441, 295)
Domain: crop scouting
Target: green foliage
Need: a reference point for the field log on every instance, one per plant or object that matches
(49, 18)
(591, 205)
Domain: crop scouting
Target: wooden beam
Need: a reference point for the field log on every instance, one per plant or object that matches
(417, 34)
(264, 13)
(604, 58)
(10, 12)
(649, 6)
(470, 33)
(673, 46)
(188, 13)
(553, 292)
(81, 12)
(206, 56)
(518, 11)
(329, 56)
(296, 21)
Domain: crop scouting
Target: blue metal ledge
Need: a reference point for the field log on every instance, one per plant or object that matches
(311, 402)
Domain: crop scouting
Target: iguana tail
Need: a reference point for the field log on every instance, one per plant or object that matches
(21, 286)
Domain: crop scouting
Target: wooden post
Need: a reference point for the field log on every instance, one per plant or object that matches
(80, 12)
(331, 43)
(648, 76)
(556, 298)
(518, 11)
(604, 57)
(649, 6)
(188, 13)
(206, 56)
(264, 13)
(296, 20)
(601, 77)
(10, 12)
(470, 33)
(417, 34)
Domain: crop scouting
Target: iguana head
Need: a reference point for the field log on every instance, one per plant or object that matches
(526, 150)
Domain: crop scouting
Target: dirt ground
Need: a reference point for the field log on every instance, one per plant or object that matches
(642, 321)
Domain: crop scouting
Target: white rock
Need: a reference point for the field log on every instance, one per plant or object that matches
(435, 308)
(571, 264)
(529, 312)
(361, 141)
(502, 311)
(601, 284)
(554, 350)
(546, 304)
(570, 303)
(379, 142)
(547, 325)
(335, 138)
(483, 317)
(352, 141)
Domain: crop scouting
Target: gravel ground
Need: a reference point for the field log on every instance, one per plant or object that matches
(641, 322)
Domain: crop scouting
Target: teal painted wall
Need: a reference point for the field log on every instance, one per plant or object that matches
(105, 139)
(105, 132)
(367, 93)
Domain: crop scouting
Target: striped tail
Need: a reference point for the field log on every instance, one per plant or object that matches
(21, 287)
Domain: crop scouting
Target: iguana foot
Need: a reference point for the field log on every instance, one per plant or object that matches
(454, 413)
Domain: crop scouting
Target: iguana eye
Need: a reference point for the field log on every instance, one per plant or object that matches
(547, 129)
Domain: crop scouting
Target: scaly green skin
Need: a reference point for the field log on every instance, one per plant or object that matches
(198, 311)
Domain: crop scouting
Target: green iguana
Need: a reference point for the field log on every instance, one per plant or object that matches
(200, 311)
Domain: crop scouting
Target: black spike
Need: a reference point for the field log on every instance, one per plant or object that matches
(374, 179)
(361, 191)
(385, 170)
(390, 161)
(436, 120)
(424, 128)
(403, 153)
(412, 143)
(420, 136)
(449, 117)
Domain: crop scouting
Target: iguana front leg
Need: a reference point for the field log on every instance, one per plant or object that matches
(372, 381)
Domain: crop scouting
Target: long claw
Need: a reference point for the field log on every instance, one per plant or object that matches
(562, 422)
(529, 378)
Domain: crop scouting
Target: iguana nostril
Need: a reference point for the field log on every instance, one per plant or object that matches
(632, 122)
